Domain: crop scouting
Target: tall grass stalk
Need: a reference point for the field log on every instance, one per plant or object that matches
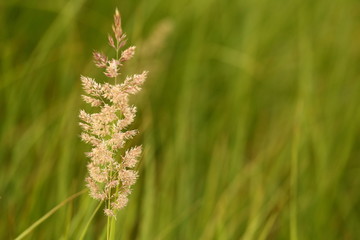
(49, 214)
(83, 233)
(111, 173)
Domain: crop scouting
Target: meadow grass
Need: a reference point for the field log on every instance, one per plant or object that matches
(249, 118)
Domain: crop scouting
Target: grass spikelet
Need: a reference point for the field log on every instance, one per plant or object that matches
(110, 179)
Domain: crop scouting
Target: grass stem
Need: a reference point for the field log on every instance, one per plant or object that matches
(48, 214)
(89, 221)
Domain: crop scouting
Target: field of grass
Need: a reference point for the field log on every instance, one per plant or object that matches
(250, 118)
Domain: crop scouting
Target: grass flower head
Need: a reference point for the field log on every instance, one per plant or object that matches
(110, 177)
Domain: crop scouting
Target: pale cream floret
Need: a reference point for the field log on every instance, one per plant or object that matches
(110, 175)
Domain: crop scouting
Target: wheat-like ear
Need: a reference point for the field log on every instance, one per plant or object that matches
(110, 179)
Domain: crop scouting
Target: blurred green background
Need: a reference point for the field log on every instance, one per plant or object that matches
(250, 117)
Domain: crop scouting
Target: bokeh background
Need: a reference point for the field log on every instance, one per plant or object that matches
(250, 118)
